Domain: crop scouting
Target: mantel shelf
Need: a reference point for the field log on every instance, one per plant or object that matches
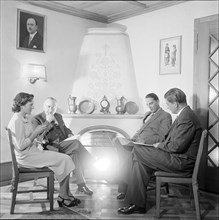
(103, 116)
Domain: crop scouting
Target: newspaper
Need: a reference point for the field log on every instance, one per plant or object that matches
(124, 141)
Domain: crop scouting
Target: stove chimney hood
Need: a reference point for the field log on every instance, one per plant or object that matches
(105, 67)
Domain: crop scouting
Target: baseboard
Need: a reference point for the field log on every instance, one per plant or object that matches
(6, 173)
(5, 183)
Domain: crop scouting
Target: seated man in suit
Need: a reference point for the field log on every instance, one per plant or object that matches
(177, 153)
(55, 136)
(156, 125)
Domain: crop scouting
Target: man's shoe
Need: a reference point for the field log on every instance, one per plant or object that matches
(122, 208)
(84, 189)
(132, 209)
(121, 196)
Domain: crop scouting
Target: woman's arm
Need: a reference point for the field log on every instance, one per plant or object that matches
(22, 141)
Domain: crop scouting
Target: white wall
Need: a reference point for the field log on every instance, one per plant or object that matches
(145, 32)
(63, 42)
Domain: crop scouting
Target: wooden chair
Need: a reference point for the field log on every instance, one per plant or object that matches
(23, 174)
(152, 185)
(176, 178)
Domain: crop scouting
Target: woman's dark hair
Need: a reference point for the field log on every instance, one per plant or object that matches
(175, 95)
(153, 96)
(21, 99)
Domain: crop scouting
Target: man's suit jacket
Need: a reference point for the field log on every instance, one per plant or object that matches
(175, 154)
(184, 136)
(36, 43)
(155, 128)
(50, 134)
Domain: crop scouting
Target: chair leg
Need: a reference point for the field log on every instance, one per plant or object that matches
(167, 188)
(158, 185)
(197, 207)
(35, 181)
(48, 189)
(14, 186)
(191, 195)
(51, 190)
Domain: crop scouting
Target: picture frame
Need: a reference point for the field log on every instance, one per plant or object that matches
(170, 55)
(35, 22)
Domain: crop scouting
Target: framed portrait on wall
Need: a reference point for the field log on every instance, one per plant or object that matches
(31, 31)
(170, 55)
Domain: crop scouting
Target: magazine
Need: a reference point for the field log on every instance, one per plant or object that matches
(147, 145)
(124, 141)
(74, 137)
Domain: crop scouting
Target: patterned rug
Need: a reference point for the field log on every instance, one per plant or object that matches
(35, 210)
(61, 213)
(103, 204)
(95, 207)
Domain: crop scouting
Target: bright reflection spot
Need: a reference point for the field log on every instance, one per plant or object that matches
(106, 165)
(102, 164)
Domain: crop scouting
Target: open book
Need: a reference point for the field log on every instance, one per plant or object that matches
(148, 145)
(74, 137)
(124, 141)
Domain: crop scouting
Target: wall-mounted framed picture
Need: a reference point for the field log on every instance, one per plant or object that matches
(31, 28)
(170, 55)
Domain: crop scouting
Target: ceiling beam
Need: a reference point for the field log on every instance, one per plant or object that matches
(140, 8)
(55, 6)
(128, 14)
(137, 3)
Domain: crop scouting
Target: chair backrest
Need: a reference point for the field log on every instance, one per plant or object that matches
(14, 160)
(199, 155)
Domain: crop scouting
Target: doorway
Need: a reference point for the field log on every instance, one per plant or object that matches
(206, 95)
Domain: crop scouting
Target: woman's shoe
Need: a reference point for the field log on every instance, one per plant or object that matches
(78, 201)
(62, 202)
(82, 188)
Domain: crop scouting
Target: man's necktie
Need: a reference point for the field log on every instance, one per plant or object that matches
(173, 125)
(148, 117)
(30, 39)
(171, 128)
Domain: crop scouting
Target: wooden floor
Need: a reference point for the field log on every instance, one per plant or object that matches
(103, 204)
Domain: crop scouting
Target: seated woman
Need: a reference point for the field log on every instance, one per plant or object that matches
(29, 155)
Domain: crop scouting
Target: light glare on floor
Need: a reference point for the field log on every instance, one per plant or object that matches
(102, 164)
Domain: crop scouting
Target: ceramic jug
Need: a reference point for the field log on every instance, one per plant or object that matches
(72, 104)
(120, 108)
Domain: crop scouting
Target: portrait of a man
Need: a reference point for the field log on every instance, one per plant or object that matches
(31, 31)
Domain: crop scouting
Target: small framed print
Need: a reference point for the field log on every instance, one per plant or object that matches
(170, 55)
(31, 31)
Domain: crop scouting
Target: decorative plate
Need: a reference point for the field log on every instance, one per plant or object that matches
(86, 107)
(131, 107)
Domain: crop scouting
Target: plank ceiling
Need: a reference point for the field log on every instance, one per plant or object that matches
(103, 11)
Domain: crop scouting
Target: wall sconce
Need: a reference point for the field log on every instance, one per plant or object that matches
(34, 72)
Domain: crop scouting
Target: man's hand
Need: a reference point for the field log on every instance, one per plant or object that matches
(156, 145)
(50, 118)
(52, 148)
(39, 129)
(40, 147)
